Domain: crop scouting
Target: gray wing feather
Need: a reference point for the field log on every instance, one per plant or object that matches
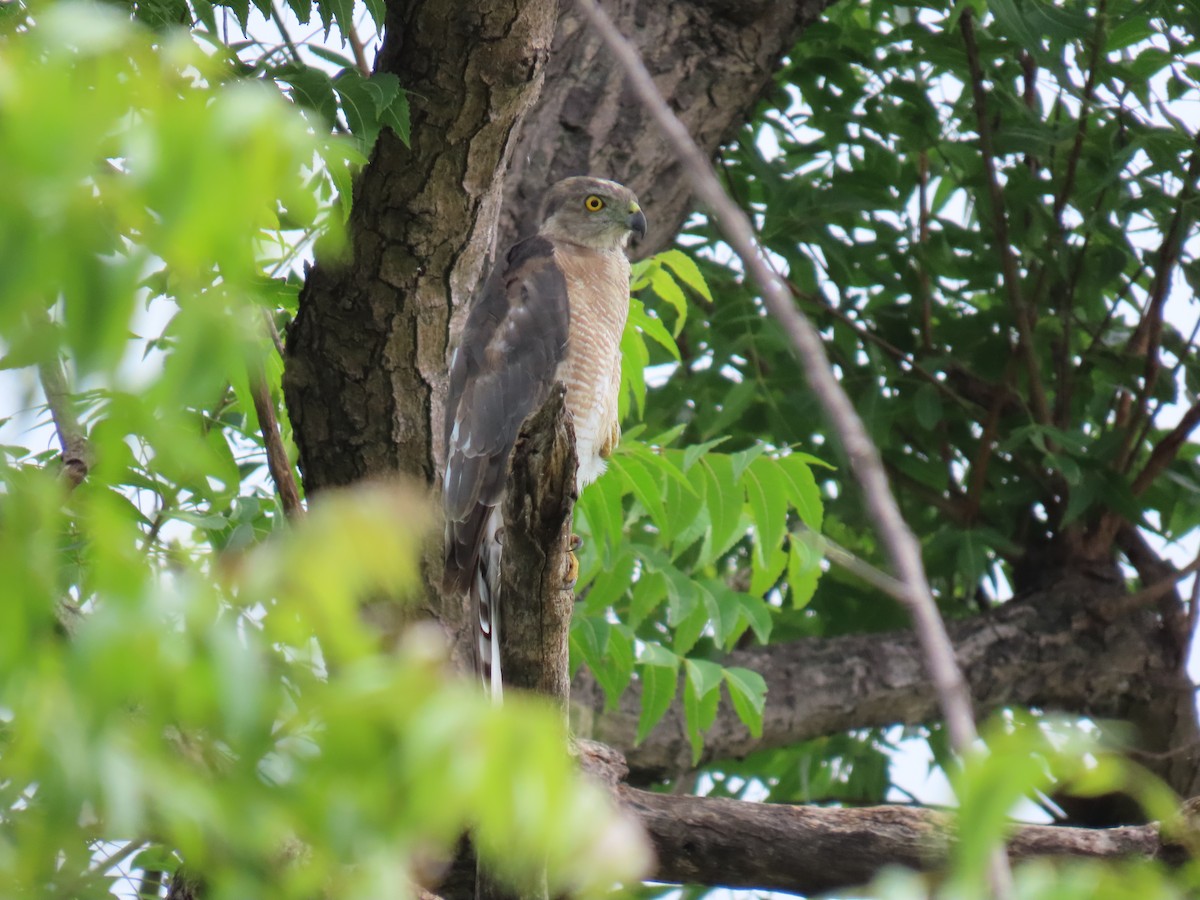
(513, 341)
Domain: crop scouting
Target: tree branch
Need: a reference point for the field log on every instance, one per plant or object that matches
(811, 850)
(76, 454)
(278, 462)
(1008, 262)
(901, 546)
(1165, 450)
(536, 597)
(1040, 651)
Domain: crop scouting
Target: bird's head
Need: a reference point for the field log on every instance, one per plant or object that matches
(593, 212)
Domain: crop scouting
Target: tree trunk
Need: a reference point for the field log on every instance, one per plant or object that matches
(366, 357)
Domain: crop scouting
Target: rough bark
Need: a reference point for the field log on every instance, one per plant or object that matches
(811, 850)
(808, 850)
(713, 60)
(366, 356)
(1061, 648)
(536, 598)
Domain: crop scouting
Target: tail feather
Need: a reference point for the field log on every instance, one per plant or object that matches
(485, 594)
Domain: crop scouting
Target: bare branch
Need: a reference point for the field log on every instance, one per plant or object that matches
(1166, 449)
(811, 850)
(901, 546)
(360, 54)
(76, 454)
(278, 463)
(283, 33)
(923, 278)
(1038, 651)
(1146, 339)
(1089, 88)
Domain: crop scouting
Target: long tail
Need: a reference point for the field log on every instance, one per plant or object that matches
(485, 592)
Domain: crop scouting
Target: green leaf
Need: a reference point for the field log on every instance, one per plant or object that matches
(589, 638)
(927, 404)
(748, 692)
(724, 499)
(649, 325)
(601, 507)
(377, 9)
(767, 494)
(804, 568)
(395, 115)
(634, 360)
(648, 592)
(700, 702)
(703, 675)
(664, 285)
(695, 451)
(691, 621)
(659, 683)
(803, 493)
(687, 271)
(611, 584)
(639, 481)
(757, 615)
(340, 11)
(312, 89)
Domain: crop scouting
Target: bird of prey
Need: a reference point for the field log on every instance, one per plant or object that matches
(552, 310)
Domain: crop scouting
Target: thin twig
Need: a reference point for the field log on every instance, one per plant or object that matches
(278, 463)
(360, 54)
(283, 33)
(868, 336)
(1194, 605)
(76, 454)
(923, 278)
(1008, 261)
(876, 578)
(1146, 339)
(1166, 449)
(1150, 593)
(269, 325)
(979, 465)
(1089, 88)
(901, 546)
(100, 867)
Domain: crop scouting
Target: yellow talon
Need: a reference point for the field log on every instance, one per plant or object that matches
(574, 542)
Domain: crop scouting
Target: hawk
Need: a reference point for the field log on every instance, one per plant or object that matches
(552, 310)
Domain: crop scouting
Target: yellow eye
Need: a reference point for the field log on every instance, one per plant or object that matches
(593, 203)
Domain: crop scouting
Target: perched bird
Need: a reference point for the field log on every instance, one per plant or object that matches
(553, 309)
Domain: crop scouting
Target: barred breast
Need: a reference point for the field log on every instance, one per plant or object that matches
(598, 299)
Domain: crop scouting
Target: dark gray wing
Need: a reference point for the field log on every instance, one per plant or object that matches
(513, 341)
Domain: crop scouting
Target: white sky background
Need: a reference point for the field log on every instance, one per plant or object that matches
(29, 425)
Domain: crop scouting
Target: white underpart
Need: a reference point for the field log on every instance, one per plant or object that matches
(591, 372)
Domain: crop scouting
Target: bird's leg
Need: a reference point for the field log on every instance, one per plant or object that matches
(574, 542)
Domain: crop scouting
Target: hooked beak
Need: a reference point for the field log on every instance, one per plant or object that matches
(637, 221)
